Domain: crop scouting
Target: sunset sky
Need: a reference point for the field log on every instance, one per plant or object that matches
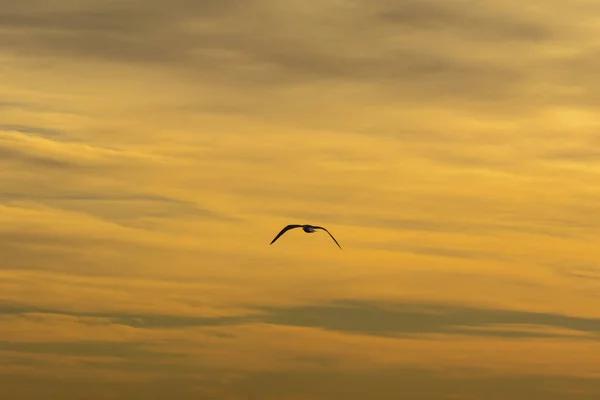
(150, 150)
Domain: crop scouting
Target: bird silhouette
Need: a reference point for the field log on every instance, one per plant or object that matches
(306, 228)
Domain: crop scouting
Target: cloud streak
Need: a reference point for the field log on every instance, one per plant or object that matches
(46, 152)
(370, 318)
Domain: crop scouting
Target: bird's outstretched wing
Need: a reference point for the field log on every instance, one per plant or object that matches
(336, 242)
(284, 230)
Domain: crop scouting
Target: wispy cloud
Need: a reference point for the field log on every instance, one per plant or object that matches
(401, 319)
(31, 129)
(46, 152)
(371, 318)
(575, 269)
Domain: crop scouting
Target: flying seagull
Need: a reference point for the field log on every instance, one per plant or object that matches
(305, 228)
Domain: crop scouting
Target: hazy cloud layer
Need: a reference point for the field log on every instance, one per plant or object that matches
(389, 383)
(151, 150)
(206, 354)
(423, 385)
(458, 49)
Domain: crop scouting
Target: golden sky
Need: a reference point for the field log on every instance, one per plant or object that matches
(150, 150)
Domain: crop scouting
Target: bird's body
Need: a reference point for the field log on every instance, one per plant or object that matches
(306, 228)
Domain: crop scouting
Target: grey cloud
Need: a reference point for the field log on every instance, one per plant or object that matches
(70, 255)
(98, 32)
(584, 273)
(368, 318)
(134, 320)
(406, 224)
(314, 377)
(11, 104)
(64, 252)
(251, 42)
(410, 383)
(578, 71)
(98, 19)
(100, 384)
(200, 382)
(79, 348)
(442, 252)
(475, 228)
(129, 31)
(582, 155)
(574, 269)
(23, 153)
(133, 210)
(31, 129)
(89, 196)
(125, 208)
(426, 225)
(454, 157)
(37, 160)
(383, 319)
(464, 16)
(433, 225)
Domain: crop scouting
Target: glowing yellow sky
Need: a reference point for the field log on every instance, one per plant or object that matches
(150, 150)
